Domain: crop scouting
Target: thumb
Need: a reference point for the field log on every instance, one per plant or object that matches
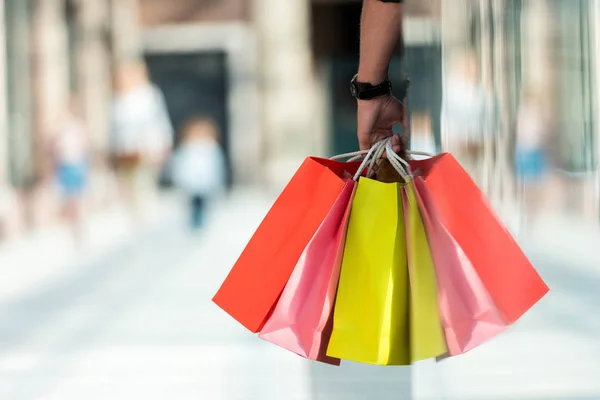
(364, 130)
(364, 140)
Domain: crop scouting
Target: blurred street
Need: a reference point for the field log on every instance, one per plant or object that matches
(142, 142)
(135, 320)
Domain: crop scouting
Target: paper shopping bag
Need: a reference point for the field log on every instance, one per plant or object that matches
(468, 314)
(426, 334)
(301, 321)
(505, 271)
(258, 277)
(370, 319)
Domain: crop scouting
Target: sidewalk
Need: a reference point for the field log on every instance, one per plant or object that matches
(48, 254)
(552, 353)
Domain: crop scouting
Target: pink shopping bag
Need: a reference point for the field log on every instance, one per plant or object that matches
(469, 315)
(301, 320)
(508, 276)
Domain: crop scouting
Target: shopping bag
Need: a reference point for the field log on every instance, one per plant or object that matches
(468, 314)
(505, 271)
(258, 277)
(370, 319)
(426, 334)
(301, 321)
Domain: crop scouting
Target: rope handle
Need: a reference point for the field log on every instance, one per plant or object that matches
(371, 156)
(400, 165)
(357, 155)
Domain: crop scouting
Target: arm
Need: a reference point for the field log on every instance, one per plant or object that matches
(381, 29)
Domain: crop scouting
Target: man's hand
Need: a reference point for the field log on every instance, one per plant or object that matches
(376, 117)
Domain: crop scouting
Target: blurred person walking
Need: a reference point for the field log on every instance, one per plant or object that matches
(70, 154)
(199, 167)
(531, 155)
(142, 136)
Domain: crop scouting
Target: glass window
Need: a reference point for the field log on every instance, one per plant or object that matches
(575, 138)
(18, 62)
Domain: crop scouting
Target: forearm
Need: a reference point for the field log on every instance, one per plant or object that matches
(381, 29)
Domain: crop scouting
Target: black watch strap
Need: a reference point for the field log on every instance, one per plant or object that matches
(367, 91)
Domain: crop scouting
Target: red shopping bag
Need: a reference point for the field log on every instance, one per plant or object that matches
(468, 314)
(257, 279)
(301, 321)
(505, 271)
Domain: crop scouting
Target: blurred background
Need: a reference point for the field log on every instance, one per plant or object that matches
(142, 141)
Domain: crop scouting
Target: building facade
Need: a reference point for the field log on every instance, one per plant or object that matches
(288, 67)
(536, 47)
(52, 52)
(274, 75)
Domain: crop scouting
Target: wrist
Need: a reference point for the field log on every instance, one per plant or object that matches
(374, 102)
(374, 77)
(368, 91)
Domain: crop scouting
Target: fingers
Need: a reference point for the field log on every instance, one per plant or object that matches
(403, 144)
(376, 119)
(396, 146)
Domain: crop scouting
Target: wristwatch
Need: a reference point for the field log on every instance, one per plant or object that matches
(367, 91)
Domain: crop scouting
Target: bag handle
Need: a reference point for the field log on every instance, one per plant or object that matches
(399, 164)
(370, 158)
(375, 153)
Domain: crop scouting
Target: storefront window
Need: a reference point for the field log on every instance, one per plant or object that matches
(18, 14)
(574, 65)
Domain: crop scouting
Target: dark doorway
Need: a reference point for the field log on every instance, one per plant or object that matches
(194, 84)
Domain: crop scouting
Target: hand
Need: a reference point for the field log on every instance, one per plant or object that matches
(376, 117)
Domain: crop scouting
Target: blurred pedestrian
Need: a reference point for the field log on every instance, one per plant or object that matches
(199, 167)
(531, 153)
(70, 154)
(142, 135)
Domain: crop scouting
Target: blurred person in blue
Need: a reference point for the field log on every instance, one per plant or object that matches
(531, 153)
(198, 167)
(142, 134)
(70, 154)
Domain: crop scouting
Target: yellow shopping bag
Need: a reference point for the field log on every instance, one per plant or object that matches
(426, 334)
(371, 315)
